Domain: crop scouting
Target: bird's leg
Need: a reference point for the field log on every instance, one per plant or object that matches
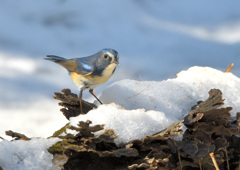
(91, 91)
(80, 99)
(95, 92)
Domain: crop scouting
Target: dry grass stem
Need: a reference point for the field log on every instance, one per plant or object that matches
(228, 166)
(229, 68)
(214, 161)
(200, 164)
(139, 92)
(179, 158)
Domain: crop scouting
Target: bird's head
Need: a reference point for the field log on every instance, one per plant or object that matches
(108, 56)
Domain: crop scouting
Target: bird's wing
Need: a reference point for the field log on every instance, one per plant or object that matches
(79, 65)
(83, 67)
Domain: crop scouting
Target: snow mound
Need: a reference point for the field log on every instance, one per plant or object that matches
(151, 106)
(128, 124)
(24, 155)
(139, 109)
(175, 96)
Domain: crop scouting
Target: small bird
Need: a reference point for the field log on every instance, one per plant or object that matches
(89, 72)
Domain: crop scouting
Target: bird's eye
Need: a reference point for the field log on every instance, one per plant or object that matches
(105, 56)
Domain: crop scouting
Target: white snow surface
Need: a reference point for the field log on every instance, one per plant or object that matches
(133, 109)
(175, 96)
(27, 155)
(151, 106)
(127, 124)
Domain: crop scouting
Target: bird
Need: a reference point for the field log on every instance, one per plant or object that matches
(91, 71)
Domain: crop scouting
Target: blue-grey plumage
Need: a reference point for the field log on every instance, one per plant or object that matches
(89, 72)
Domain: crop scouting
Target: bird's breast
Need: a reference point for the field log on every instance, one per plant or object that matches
(108, 71)
(93, 81)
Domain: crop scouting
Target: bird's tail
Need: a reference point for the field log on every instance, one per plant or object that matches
(55, 58)
(70, 65)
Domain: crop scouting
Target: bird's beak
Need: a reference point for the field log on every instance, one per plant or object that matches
(116, 62)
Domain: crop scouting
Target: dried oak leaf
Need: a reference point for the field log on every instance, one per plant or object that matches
(71, 103)
(201, 135)
(17, 136)
(127, 152)
(149, 164)
(204, 150)
(238, 116)
(186, 163)
(107, 136)
(85, 146)
(234, 125)
(236, 144)
(187, 148)
(85, 130)
(172, 130)
(191, 148)
(217, 116)
(139, 166)
(59, 160)
(214, 101)
(220, 143)
(61, 131)
(221, 130)
(154, 155)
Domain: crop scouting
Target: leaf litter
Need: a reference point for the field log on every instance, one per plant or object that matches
(211, 133)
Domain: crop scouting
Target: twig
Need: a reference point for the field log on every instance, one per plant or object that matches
(239, 165)
(200, 164)
(225, 148)
(140, 77)
(138, 92)
(229, 68)
(179, 157)
(214, 161)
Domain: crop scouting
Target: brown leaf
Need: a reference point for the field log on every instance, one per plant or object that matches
(71, 104)
(17, 136)
(172, 130)
(214, 101)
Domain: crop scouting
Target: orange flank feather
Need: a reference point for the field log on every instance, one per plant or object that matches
(69, 65)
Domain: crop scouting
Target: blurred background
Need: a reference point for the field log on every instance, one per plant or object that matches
(155, 39)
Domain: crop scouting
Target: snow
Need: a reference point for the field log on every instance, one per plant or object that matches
(134, 109)
(175, 96)
(22, 155)
(146, 107)
(155, 40)
(127, 124)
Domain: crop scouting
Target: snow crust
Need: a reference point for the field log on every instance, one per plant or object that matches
(133, 109)
(27, 155)
(127, 124)
(151, 106)
(175, 96)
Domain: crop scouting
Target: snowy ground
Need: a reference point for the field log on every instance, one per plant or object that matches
(151, 106)
(155, 40)
(27, 155)
(140, 108)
